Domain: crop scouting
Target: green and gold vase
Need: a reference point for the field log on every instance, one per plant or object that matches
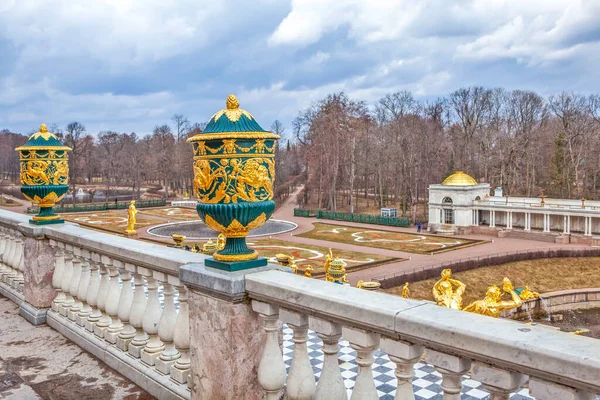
(44, 173)
(234, 172)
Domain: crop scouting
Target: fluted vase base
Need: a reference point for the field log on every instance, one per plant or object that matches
(236, 265)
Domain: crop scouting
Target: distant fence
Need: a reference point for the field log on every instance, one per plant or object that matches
(362, 218)
(69, 208)
(466, 264)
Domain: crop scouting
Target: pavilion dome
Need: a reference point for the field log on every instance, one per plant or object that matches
(459, 178)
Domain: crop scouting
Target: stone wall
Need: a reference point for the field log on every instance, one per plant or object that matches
(553, 302)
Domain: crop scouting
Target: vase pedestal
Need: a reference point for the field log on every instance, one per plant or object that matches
(235, 265)
(48, 222)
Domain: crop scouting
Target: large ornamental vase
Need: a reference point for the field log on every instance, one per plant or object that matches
(234, 172)
(44, 173)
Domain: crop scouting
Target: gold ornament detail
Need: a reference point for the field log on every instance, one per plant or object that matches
(42, 172)
(235, 257)
(445, 294)
(492, 304)
(235, 229)
(528, 294)
(233, 112)
(405, 291)
(48, 201)
(233, 180)
(44, 133)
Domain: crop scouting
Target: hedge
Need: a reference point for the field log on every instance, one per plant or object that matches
(100, 207)
(362, 218)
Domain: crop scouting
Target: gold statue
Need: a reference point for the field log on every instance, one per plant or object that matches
(221, 241)
(294, 267)
(405, 291)
(445, 294)
(579, 331)
(492, 305)
(359, 284)
(283, 259)
(186, 195)
(527, 294)
(131, 219)
(327, 264)
(308, 271)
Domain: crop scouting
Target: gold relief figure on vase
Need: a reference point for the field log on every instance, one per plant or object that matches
(131, 219)
(492, 304)
(221, 241)
(444, 291)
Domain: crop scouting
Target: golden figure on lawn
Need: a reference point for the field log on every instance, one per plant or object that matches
(445, 294)
(327, 264)
(492, 305)
(308, 271)
(405, 291)
(131, 218)
(528, 294)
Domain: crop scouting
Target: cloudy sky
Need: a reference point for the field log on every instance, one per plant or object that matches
(128, 65)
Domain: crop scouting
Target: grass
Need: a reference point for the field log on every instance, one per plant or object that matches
(542, 275)
(389, 240)
(312, 255)
(178, 213)
(108, 221)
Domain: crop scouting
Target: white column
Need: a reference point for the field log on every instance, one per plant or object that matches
(542, 390)
(364, 343)
(588, 221)
(166, 327)
(301, 378)
(271, 368)
(151, 320)
(500, 383)
(84, 284)
(565, 227)
(331, 384)
(568, 224)
(93, 291)
(546, 222)
(104, 321)
(405, 355)
(113, 299)
(125, 306)
(181, 370)
(59, 266)
(509, 219)
(451, 368)
(492, 218)
(138, 308)
(66, 281)
(74, 285)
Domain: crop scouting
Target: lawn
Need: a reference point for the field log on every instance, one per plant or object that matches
(543, 275)
(389, 240)
(312, 255)
(109, 221)
(179, 213)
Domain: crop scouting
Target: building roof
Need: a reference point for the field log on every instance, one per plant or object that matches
(459, 178)
(234, 122)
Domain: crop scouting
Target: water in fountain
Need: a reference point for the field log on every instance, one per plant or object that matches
(545, 307)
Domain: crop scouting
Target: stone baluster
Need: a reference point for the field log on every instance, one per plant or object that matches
(301, 378)
(104, 321)
(542, 390)
(66, 281)
(151, 320)
(181, 338)
(166, 327)
(452, 368)
(59, 266)
(136, 317)
(331, 384)
(125, 306)
(271, 368)
(364, 343)
(8, 256)
(92, 294)
(13, 260)
(405, 355)
(3, 249)
(19, 279)
(84, 287)
(74, 285)
(116, 268)
(500, 383)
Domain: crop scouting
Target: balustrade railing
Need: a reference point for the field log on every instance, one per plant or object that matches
(125, 302)
(501, 354)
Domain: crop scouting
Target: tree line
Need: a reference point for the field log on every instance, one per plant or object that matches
(388, 154)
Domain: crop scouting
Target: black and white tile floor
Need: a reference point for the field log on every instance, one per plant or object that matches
(426, 383)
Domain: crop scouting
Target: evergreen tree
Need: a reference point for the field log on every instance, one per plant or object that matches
(559, 164)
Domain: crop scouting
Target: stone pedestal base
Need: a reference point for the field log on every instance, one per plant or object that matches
(123, 344)
(63, 310)
(89, 326)
(164, 367)
(149, 358)
(179, 375)
(135, 350)
(100, 331)
(73, 314)
(35, 316)
(111, 337)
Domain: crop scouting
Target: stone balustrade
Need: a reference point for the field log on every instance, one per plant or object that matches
(501, 354)
(126, 302)
(120, 299)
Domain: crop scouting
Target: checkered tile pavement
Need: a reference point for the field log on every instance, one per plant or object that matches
(426, 383)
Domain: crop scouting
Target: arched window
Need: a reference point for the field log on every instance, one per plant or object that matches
(477, 198)
(447, 200)
(448, 211)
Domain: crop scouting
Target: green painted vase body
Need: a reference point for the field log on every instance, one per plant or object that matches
(44, 173)
(234, 172)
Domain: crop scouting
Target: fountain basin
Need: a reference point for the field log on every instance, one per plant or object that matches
(198, 230)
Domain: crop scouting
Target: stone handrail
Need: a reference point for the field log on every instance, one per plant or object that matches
(501, 354)
(104, 295)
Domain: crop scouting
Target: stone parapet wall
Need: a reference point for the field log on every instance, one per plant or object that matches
(559, 301)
